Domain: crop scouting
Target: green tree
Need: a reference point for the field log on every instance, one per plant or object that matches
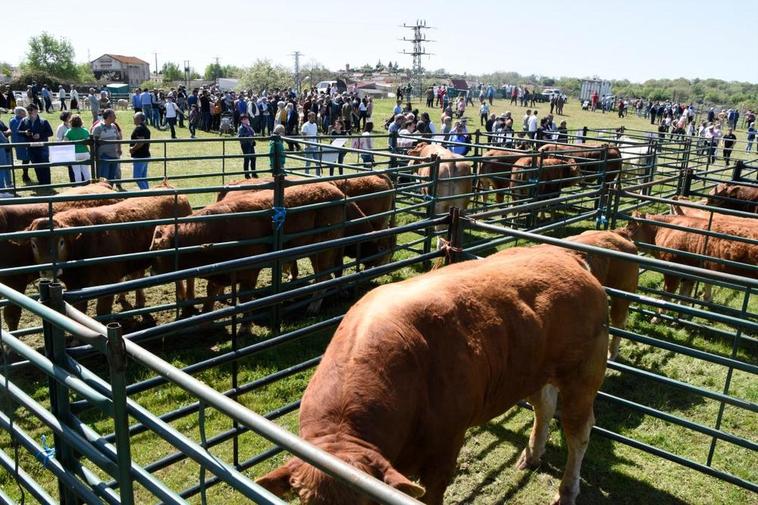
(264, 75)
(171, 72)
(84, 71)
(54, 56)
(5, 69)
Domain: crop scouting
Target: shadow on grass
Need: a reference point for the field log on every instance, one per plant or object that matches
(600, 483)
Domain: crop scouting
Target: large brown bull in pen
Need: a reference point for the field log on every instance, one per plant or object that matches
(591, 158)
(113, 242)
(18, 253)
(311, 226)
(414, 364)
(616, 273)
(697, 243)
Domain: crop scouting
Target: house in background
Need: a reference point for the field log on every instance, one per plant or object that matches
(116, 67)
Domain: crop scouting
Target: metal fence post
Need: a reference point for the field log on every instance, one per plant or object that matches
(117, 360)
(652, 160)
(454, 236)
(277, 238)
(477, 155)
(51, 295)
(93, 158)
(431, 196)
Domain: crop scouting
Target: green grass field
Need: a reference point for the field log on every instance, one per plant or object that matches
(612, 472)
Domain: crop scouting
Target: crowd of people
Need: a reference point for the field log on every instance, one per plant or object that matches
(27, 126)
(313, 117)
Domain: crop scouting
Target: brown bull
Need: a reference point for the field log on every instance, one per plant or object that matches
(309, 225)
(113, 242)
(17, 253)
(551, 175)
(414, 364)
(495, 170)
(611, 272)
(735, 197)
(372, 194)
(592, 158)
(697, 243)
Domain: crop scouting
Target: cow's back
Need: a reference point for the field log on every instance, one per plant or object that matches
(438, 353)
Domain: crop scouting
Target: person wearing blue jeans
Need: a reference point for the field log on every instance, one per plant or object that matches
(140, 151)
(107, 153)
(6, 179)
(37, 129)
(147, 104)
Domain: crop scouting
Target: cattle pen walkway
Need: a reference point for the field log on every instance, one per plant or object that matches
(129, 416)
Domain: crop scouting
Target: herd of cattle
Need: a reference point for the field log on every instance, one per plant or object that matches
(428, 356)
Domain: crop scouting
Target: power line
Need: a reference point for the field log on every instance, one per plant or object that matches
(297, 55)
(419, 38)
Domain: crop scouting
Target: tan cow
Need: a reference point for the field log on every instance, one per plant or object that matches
(113, 242)
(414, 364)
(697, 243)
(735, 197)
(17, 253)
(208, 233)
(450, 193)
(590, 157)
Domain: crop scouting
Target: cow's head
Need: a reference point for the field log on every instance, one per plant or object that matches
(418, 149)
(163, 238)
(572, 169)
(639, 231)
(315, 487)
(717, 196)
(49, 247)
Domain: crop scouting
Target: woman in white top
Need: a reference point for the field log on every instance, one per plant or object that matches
(172, 112)
(74, 104)
(366, 143)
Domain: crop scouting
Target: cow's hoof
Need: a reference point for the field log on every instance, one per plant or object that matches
(527, 463)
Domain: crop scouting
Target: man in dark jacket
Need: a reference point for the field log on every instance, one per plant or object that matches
(37, 129)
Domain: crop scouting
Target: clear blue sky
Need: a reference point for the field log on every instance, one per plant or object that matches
(636, 40)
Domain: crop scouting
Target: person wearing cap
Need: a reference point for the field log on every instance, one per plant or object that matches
(246, 133)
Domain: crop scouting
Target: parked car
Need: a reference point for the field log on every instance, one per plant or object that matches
(550, 93)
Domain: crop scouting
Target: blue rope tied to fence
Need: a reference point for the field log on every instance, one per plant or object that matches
(280, 215)
(427, 197)
(601, 220)
(46, 454)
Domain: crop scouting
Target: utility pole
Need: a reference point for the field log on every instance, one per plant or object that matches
(417, 73)
(186, 73)
(297, 55)
(216, 70)
(156, 66)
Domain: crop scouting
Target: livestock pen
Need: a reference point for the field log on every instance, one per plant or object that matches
(179, 422)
